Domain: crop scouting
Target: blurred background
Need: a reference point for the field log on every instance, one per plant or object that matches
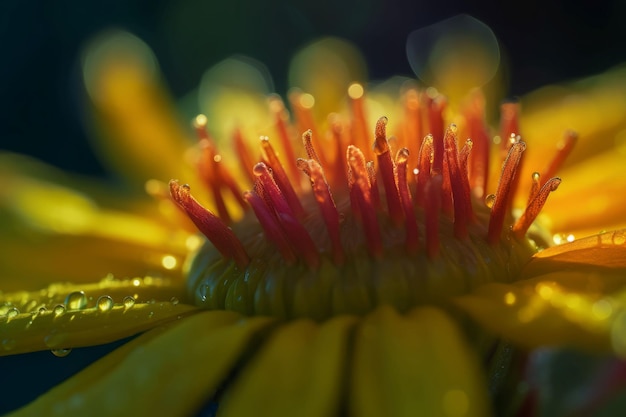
(41, 86)
(42, 93)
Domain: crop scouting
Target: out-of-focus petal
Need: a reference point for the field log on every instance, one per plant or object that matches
(192, 358)
(52, 233)
(595, 107)
(325, 69)
(541, 313)
(299, 371)
(137, 131)
(415, 362)
(596, 188)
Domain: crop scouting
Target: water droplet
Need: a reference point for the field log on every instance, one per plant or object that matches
(76, 300)
(174, 300)
(151, 301)
(41, 310)
(490, 199)
(104, 303)
(12, 313)
(8, 344)
(58, 310)
(61, 353)
(128, 301)
(150, 314)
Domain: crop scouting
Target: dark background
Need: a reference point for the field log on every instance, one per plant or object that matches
(41, 90)
(40, 43)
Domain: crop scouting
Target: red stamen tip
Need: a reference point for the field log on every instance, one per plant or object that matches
(209, 224)
(387, 172)
(534, 206)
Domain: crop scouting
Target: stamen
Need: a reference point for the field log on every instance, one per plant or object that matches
(462, 202)
(212, 173)
(436, 106)
(386, 168)
(270, 226)
(424, 158)
(371, 176)
(243, 154)
(509, 125)
(360, 130)
(362, 197)
(280, 116)
(210, 225)
(534, 207)
(499, 209)
(411, 241)
(534, 187)
(337, 172)
(356, 168)
(563, 150)
(479, 160)
(281, 178)
(432, 207)
(327, 206)
(296, 233)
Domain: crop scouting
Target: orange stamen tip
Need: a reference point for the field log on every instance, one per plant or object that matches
(534, 206)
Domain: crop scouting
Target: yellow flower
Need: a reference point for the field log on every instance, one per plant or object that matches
(348, 293)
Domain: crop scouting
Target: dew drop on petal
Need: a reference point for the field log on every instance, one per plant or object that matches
(58, 310)
(174, 300)
(12, 313)
(129, 301)
(61, 353)
(104, 303)
(76, 300)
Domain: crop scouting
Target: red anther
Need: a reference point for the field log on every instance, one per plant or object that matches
(270, 226)
(534, 188)
(462, 202)
(357, 167)
(425, 158)
(411, 240)
(295, 232)
(505, 185)
(375, 192)
(463, 167)
(432, 206)
(362, 197)
(327, 206)
(534, 207)
(281, 119)
(308, 146)
(387, 172)
(563, 150)
(281, 178)
(210, 225)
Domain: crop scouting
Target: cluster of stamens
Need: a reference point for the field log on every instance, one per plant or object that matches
(396, 207)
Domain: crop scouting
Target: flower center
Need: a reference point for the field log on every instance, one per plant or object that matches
(366, 231)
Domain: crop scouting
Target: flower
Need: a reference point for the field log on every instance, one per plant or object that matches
(352, 294)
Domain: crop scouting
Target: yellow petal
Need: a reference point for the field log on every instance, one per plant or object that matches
(137, 131)
(63, 328)
(73, 237)
(540, 312)
(605, 250)
(299, 371)
(418, 364)
(594, 187)
(171, 373)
